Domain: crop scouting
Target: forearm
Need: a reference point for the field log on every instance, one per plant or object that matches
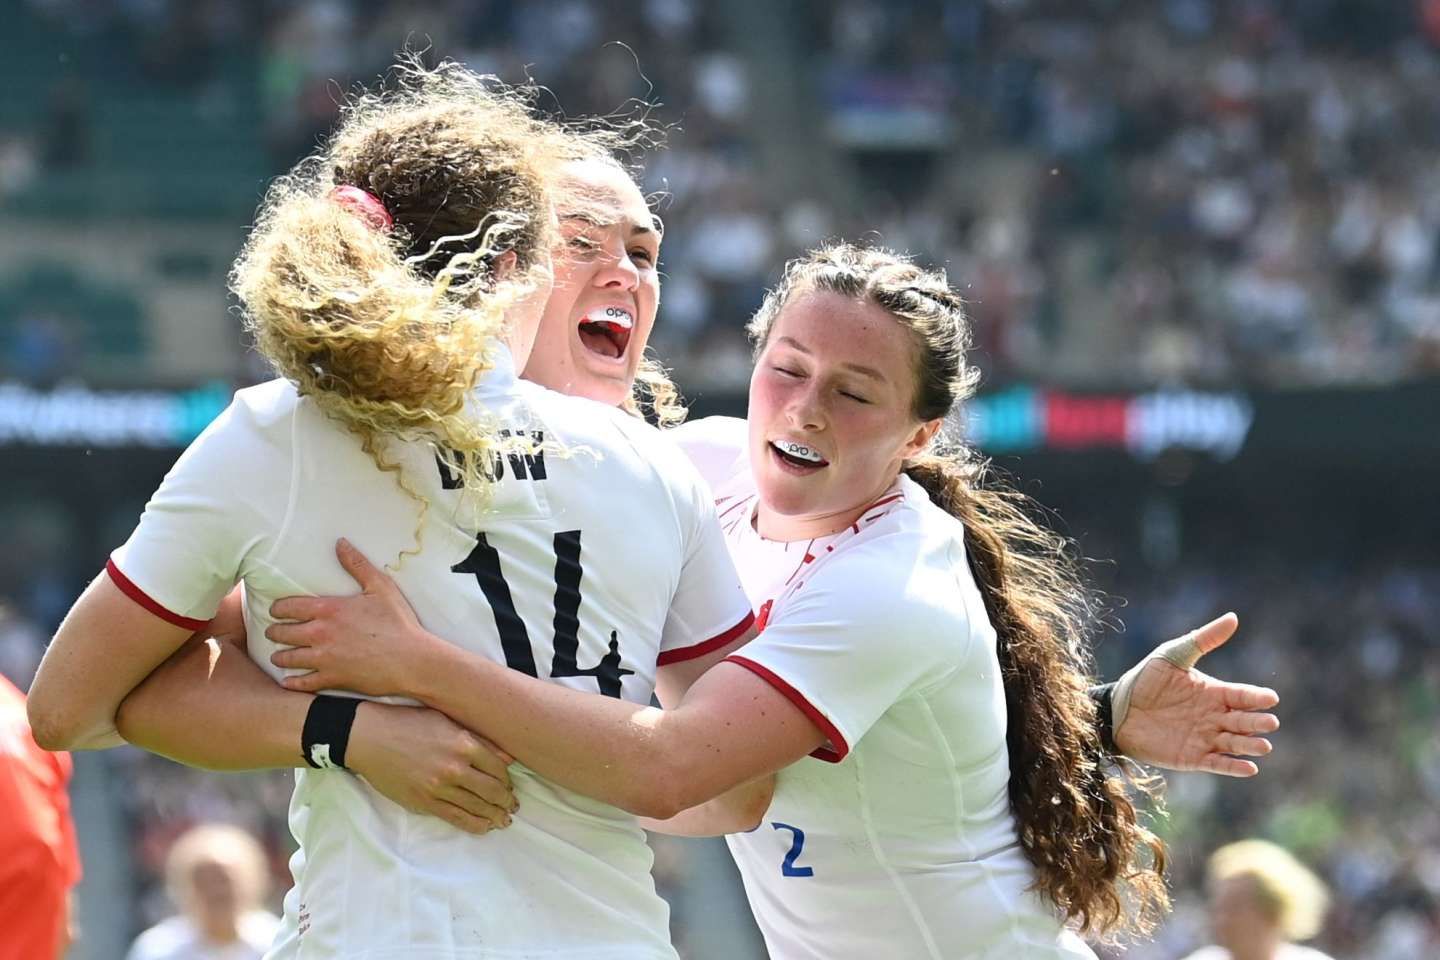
(105, 647)
(736, 811)
(605, 748)
(233, 717)
(647, 761)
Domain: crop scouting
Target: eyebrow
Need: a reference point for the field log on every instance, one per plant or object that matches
(636, 229)
(861, 369)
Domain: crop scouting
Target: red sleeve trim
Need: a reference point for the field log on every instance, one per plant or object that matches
(145, 600)
(709, 646)
(837, 739)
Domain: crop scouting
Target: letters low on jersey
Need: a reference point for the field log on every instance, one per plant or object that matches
(896, 838)
(597, 558)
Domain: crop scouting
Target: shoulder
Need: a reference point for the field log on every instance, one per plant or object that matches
(715, 445)
(1294, 951)
(169, 938)
(266, 410)
(608, 431)
(1209, 953)
(258, 927)
(581, 421)
(268, 403)
(896, 575)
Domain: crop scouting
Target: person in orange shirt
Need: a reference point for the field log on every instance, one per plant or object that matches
(39, 860)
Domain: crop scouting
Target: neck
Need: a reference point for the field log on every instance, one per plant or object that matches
(220, 929)
(778, 526)
(1267, 949)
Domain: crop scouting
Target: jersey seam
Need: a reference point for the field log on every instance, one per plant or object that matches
(899, 886)
(292, 496)
(957, 787)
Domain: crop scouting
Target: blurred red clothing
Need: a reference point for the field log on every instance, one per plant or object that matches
(39, 861)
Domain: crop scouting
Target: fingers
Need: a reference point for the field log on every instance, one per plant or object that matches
(505, 758)
(1184, 652)
(1228, 766)
(1239, 746)
(293, 634)
(1245, 696)
(489, 759)
(360, 569)
(307, 682)
(298, 608)
(1249, 724)
(477, 792)
(1214, 634)
(300, 658)
(463, 819)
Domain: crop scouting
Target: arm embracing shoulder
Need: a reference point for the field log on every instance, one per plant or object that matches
(165, 582)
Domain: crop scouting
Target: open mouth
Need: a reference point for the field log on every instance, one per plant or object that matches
(798, 455)
(606, 331)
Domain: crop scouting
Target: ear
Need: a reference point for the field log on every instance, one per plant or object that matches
(503, 264)
(921, 438)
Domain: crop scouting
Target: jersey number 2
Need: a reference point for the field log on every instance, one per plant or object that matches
(484, 563)
(788, 868)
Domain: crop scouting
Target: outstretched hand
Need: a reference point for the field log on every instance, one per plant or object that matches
(1171, 715)
(365, 642)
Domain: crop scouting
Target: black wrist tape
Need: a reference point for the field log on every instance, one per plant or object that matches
(327, 731)
(1104, 714)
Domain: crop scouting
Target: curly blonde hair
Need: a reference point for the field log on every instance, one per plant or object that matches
(653, 390)
(1093, 858)
(389, 330)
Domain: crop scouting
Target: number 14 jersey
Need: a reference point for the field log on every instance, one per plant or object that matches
(597, 558)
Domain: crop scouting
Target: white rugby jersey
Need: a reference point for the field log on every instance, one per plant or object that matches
(588, 569)
(895, 839)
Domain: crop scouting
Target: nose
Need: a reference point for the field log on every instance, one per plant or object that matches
(804, 409)
(616, 271)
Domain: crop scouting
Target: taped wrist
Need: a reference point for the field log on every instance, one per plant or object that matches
(327, 731)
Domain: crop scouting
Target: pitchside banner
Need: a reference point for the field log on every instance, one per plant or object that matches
(1394, 421)
(1027, 418)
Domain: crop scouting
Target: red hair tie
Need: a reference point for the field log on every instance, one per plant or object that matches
(364, 205)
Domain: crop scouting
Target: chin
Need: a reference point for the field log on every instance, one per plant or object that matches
(604, 390)
(785, 497)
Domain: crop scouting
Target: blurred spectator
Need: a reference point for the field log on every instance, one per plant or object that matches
(65, 137)
(41, 862)
(218, 877)
(1262, 900)
(22, 644)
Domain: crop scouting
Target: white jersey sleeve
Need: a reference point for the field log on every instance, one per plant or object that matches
(223, 500)
(714, 445)
(710, 607)
(858, 636)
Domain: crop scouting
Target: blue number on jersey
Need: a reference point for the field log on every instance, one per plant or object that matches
(788, 868)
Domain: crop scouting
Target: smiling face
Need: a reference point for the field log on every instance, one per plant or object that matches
(831, 414)
(602, 308)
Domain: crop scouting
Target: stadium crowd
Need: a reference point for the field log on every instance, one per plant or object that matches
(1193, 191)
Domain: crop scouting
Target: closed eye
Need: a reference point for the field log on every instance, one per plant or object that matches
(644, 256)
(786, 372)
(852, 396)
